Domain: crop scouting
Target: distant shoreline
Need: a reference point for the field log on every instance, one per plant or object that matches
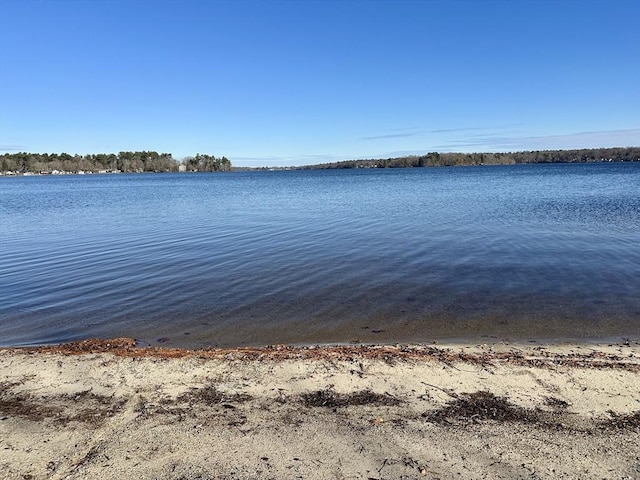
(360, 164)
(452, 159)
(24, 163)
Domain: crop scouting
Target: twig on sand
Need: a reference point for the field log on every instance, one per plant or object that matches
(452, 395)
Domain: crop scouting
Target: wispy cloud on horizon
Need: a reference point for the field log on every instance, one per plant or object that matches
(474, 128)
(390, 135)
(399, 132)
(593, 139)
(414, 131)
(453, 130)
(12, 148)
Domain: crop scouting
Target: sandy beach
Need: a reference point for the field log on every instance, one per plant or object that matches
(109, 410)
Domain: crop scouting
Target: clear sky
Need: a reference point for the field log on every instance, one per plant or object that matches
(297, 82)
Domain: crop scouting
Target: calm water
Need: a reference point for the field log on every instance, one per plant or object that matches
(518, 252)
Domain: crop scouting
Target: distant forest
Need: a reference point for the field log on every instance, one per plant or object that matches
(435, 159)
(125, 162)
(137, 162)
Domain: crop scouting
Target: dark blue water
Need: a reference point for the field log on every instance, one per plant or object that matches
(514, 252)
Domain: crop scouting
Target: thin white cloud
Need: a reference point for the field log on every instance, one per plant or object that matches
(453, 130)
(411, 132)
(473, 128)
(400, 132)
(12, 148)
(594, 139)
(390, 135)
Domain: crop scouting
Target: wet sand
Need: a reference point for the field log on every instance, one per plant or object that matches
(108, 409)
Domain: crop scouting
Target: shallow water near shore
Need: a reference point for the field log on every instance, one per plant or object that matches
(255, 258)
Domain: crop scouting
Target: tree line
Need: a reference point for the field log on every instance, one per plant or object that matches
(207, 163)
(125, 162)
(435, 159)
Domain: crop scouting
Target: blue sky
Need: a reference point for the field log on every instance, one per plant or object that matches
(299, 82)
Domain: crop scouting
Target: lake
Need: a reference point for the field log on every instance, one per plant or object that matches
(524, 252)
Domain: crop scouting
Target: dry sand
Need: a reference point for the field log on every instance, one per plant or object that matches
(108, 410)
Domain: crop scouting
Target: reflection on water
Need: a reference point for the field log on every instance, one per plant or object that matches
(531, 251)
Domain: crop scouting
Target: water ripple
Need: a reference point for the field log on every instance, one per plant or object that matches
(252, 258)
